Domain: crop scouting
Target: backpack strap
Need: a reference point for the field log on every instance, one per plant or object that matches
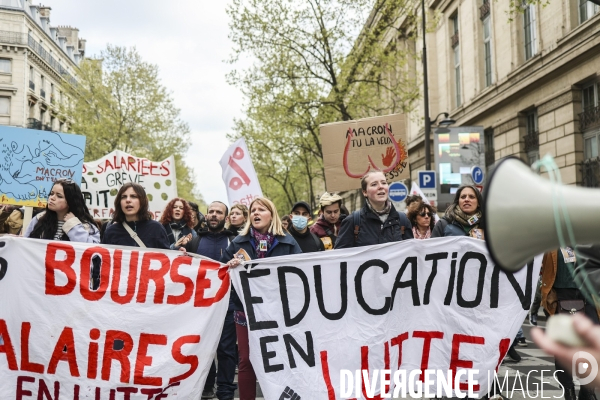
(318, 242)
(356, 220)
(134, 235)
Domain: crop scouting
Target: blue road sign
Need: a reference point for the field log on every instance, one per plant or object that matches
(398, 191)
(477, 175)
(427, 180)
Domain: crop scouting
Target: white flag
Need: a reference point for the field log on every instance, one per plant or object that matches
(239, 174)
(415, 189)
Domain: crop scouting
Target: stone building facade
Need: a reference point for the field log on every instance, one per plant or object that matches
(529, 78)
(37, 61)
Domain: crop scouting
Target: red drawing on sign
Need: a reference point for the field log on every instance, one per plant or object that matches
(236, 183)
(371, 163)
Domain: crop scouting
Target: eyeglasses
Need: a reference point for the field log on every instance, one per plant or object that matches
(424, 214)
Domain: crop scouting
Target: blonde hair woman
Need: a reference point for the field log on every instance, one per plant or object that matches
(238, 216)
(263, 236)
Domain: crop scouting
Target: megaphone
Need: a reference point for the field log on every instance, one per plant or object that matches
(519, 211)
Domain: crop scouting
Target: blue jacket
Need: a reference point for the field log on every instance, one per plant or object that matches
(282, 246)
(151, 232)
(444, 228)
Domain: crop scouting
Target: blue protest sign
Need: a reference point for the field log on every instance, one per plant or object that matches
(32, 160)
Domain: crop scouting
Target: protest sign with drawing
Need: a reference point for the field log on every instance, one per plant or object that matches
(151, 327)
(239, 175)
(413, 306)
(32, 160)
(353, 148)
(102, 179)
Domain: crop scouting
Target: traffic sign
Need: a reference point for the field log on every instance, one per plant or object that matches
(477, 175)
(427, 180)
(398, 191)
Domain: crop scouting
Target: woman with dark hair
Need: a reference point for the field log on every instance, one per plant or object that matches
(464, 216)
(262, 237)
(133, 225)
(66, 216)
(422, 217)
(285, 222)
(197, 217)
(178, 221)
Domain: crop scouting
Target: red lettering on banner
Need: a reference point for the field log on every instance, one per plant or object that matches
(122, 356)
(503, 348)
(92, 369)
(177, 278)
(397, 341)
(191, 360)
(157, 275)
(20, 391)
(27, 365)
(364, 366)
(202, 284)
(67, 341)
(84, 280)
(144, 360)
(326, 376)
(456, 363)
(427, 336)
(131, 277)
(164, 166)
(7, 347)
(45, 392)
(127, 391)
(65, 266)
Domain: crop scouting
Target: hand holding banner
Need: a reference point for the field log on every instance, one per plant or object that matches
(239, 174)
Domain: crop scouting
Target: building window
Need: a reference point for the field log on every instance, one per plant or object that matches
(456, 59)
(31, 78)
(589, 96)
(5, 65)
(5, 105)
(532, 139)
(488, 138)
(587, 10)
(530, 33)
(487, 50)
(590, 117)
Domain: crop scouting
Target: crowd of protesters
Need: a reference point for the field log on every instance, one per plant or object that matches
(258, 232)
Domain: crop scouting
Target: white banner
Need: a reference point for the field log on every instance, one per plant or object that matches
(151, 327)
(239, 174)
(102, 179)
(420, 305)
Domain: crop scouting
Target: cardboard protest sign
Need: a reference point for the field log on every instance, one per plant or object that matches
(32, 160)
(239, 174)
(353, 148)
(411, 306)
(103, 178)
(150, 327)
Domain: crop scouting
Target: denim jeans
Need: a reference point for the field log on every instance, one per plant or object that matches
(227, 359)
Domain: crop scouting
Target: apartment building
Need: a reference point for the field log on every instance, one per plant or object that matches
(37, 62)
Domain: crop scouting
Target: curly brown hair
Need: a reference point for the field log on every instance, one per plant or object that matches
(167, 216)
(417, 207)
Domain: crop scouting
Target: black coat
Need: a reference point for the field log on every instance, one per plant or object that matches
(372, 231)
(152, 233)
(444, 228)
(282, 246)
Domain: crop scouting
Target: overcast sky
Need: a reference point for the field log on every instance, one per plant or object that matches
(188, 41)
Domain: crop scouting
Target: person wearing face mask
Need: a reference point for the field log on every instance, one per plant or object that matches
(300, 216)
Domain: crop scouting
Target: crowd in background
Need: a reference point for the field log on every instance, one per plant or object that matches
(233, 235)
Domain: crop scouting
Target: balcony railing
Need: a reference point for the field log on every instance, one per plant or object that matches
(39, 50)
(590, 172)
(33, 123)
(43, 93)
(8, 37)
(532, 141)
(32, 85)
(46, 128)
(590, 117)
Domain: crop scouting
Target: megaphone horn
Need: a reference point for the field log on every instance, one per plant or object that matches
(519, 210)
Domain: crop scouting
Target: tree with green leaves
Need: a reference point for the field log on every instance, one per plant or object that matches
(120, 104)
(315, 61)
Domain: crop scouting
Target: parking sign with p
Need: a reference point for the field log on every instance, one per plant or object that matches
(427, 180)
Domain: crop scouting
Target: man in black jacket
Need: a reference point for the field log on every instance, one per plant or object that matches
(212, 243)
(300, 216)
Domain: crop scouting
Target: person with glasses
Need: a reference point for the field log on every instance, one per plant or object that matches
(178, 220)
(66, 216)
(422, 217)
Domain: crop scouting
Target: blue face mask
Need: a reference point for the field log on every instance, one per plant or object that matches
(299, 222)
